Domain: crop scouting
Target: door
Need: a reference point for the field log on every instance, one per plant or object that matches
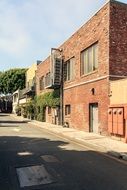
(94, 118)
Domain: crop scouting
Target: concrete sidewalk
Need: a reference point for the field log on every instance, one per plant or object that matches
(94, 141)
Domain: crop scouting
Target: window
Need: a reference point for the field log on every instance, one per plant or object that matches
(42, 86)
(69, 67)
(89, 59)
(67, 109)
(47, 79)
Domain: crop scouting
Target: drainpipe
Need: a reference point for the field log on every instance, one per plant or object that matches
(61, 96)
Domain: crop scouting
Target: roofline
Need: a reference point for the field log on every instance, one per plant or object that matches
(118, 2)
(101, 7)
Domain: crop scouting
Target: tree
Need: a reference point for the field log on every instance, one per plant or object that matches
(12, 80)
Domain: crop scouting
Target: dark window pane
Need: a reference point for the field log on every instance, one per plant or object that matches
(67, 109)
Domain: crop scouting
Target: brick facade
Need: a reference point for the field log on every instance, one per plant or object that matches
(118, 39)
(80, 96)
(108, 27)
(42, 69)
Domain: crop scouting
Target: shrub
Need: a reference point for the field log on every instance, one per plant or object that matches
(35, 109)
(24, 111)
(30, 106)
(40, 117)
(18, 110)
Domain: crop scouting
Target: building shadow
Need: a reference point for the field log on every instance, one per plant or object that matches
(13, 122)
(77, 168)
(3, 115)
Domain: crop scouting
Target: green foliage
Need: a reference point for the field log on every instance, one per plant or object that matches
(12, 80)
(40, 117)
(30, 109)
(50, 99)
(35, 109)
(24, 111)
(18, 110)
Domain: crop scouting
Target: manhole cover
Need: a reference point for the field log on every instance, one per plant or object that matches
(49, 158)
(33, 175)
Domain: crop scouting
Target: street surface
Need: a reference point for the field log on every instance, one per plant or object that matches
(32, 158)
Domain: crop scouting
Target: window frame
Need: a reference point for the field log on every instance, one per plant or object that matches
(47, 79)
(67, 110)
(42, 81)
(85, 57)
(69, 68)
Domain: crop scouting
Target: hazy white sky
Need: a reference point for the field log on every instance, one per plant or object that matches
(30, 28)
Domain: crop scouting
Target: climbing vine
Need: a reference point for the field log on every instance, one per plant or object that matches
(36, 108)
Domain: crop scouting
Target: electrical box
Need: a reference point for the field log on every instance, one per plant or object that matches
(116, 120)
(120, 121)
(115, 124)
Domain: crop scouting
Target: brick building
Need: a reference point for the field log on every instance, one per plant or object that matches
(51, 115)
(92, 57)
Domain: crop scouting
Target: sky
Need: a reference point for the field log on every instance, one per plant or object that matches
(30, 28)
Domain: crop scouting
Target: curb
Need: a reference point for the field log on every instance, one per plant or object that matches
(121, 156)
(118, 155)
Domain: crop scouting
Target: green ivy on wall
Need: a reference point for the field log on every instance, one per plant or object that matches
(36, 108)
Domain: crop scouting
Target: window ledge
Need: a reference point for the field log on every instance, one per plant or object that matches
(91, 73)
(67, 116)
(69, 81)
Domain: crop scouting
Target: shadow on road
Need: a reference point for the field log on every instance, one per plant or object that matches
(8, 121)
(76, 169)
(3, 115)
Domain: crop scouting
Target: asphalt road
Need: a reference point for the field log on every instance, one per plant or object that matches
(69, 166)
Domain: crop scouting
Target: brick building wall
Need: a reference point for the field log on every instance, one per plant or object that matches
(118, 39)
(82, 98)
(108, 27)
(42, 69)
(95, 30)
(77, 93)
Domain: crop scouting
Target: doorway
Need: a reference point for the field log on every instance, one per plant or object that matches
(93, 113)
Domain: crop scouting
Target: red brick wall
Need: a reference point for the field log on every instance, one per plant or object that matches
(109, 23)
(118, 39)
(42, 69)
(96, 29)
(79, 97)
